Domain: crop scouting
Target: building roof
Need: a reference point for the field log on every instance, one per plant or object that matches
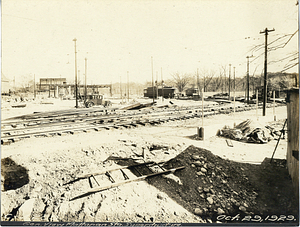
(4, 78)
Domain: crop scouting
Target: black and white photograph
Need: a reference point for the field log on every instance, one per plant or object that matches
(149, 112)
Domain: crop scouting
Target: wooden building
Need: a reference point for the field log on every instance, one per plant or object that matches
(292, 158)
(58, 87)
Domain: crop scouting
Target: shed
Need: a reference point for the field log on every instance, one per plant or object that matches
(292, 158)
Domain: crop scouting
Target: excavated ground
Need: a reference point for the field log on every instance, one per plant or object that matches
(217, 183)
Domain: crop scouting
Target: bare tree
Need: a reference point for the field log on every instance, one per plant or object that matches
(26, 83)
(181, 81)
(207, 77)
(217, 82)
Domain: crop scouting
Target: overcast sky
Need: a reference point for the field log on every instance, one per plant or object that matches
(117, 36)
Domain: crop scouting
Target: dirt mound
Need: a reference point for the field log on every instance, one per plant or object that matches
(210, 186)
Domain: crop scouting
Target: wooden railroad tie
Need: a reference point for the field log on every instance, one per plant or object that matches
(25, 126)
(114, 183)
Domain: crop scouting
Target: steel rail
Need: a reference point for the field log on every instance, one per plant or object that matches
(85, 123)
(65, 113)
(44, 121)
(122, 121)
(62, 112)
(10, 134)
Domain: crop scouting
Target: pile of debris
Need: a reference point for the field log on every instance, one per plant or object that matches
(247, 133)
(137, 106)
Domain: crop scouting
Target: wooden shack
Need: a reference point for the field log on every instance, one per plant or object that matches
(292, 100)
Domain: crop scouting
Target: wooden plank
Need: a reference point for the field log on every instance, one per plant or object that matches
(293, 136)
(131, 106)
(19, 106)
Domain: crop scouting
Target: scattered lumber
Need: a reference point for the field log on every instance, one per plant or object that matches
(130, 107)
(19, 106)
(138, 106)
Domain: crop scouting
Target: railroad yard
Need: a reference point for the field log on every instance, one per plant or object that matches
(144, 165)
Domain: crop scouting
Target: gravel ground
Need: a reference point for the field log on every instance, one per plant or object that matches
(196, 194)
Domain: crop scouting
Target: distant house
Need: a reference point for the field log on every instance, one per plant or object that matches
(46, 83)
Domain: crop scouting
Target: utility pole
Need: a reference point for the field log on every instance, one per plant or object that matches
(234, 89)
(128, 86)
(224, 80)
(34, 92)
(76, 74)
(162, 85)
(229, 82)
(85, 86)
(234, 78)
(248, 79)
(156, 83)
(266, 31)
(78, 83)
(198, 84)
(121, 89)
(152, 78)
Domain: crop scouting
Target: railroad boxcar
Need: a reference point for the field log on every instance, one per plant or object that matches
(166, 92)
(190, 92)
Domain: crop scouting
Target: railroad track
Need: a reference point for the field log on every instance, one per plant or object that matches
(58, 123)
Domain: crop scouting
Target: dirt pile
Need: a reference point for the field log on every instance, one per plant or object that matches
(211, 186)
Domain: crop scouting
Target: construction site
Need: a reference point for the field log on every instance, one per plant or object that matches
(149, 113)
(167, 161)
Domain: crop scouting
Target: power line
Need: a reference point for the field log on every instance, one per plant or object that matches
(282, 59)
(284, 44)
(271, 48)
(290, 67)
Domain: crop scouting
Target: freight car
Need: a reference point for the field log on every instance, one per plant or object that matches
(191, 92)
(166, 92)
